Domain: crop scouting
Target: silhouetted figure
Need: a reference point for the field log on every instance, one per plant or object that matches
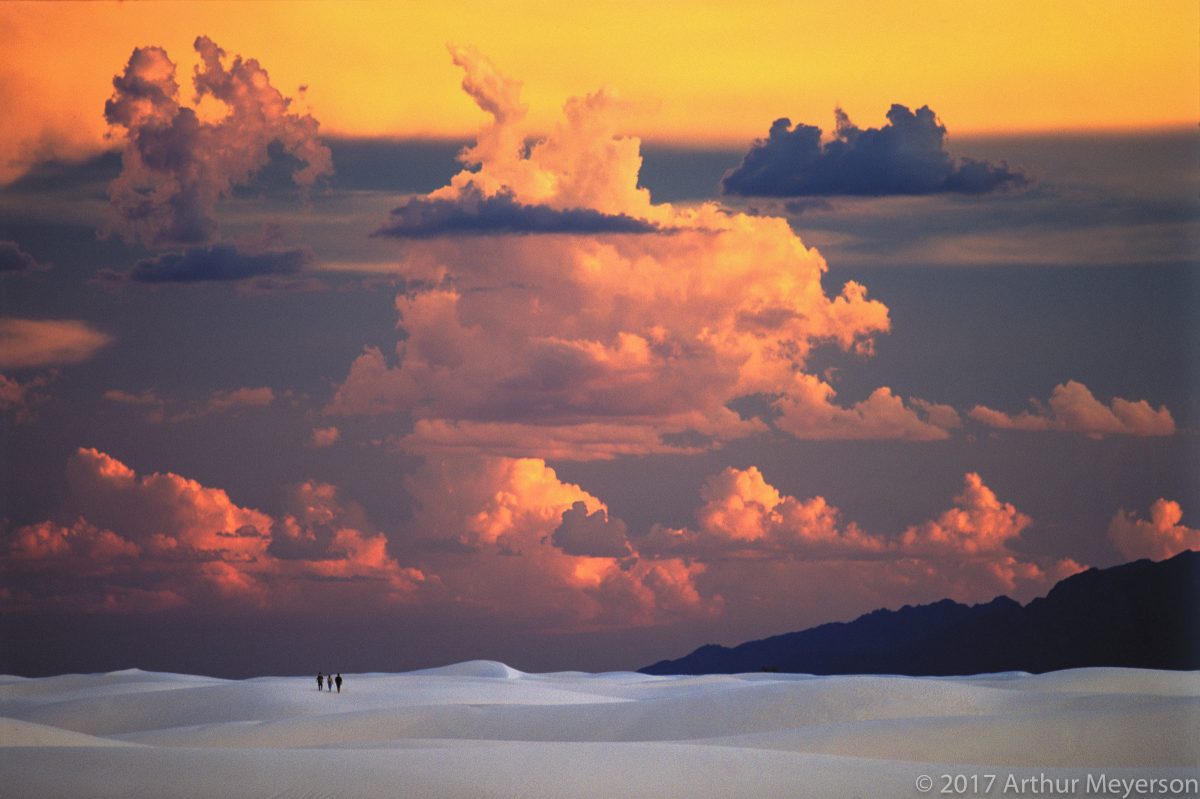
(338, 680)
(320, 681)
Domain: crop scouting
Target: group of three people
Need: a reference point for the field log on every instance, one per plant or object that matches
(322, 679)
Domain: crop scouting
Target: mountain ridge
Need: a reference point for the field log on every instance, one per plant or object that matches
(1142, 614)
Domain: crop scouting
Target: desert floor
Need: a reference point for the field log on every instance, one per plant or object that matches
(483, 729)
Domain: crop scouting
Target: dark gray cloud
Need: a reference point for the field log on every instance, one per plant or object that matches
(218, 262)
(14, 259)
(906, 156)
(175, 166)
(593, 535)
(472, 214)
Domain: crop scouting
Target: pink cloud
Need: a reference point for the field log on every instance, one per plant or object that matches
(1159, 537)
(807, 411)
(1073, 408)
(743, 516)
(965, 552)
(494, 530)
(504, 538)
(170, 512)
(156, 541)
(979, 523)
(32, 343)
(77, 567)
(583, 347)
(583, 163)
(47, 541)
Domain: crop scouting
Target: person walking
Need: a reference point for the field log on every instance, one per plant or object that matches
(338, 680)
(320, 681)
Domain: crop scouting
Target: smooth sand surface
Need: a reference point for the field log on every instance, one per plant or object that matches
(484, 729)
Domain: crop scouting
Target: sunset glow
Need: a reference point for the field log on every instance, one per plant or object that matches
(581, 336)
(693, 71)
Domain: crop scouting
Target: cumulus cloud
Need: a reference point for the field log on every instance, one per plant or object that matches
(1073, 408)
(33, 343)
(490, 527)
(14, 259)
(808, 411)
(77, 566)
(582, 347)
(176, 165)
(905, 156)
(48, 541)
(583, 163)
(604, 347)
(506, 537)
(218, 262)
(482, 540)
(201, 519)
(509, 537)
(1159, 537)
(579, 179)
(979, 523)
(133, 543)
(500, 538)
(743, 516)
(966, 551)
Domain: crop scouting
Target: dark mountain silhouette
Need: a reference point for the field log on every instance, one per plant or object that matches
(1141, 614)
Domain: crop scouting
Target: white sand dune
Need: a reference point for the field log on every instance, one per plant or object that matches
(484, 729)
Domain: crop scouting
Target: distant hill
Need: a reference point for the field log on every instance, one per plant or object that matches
(1142, 614)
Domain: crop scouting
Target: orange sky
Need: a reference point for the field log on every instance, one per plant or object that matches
(694, 71)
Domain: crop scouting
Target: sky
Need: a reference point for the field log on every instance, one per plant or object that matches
(391, 336)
